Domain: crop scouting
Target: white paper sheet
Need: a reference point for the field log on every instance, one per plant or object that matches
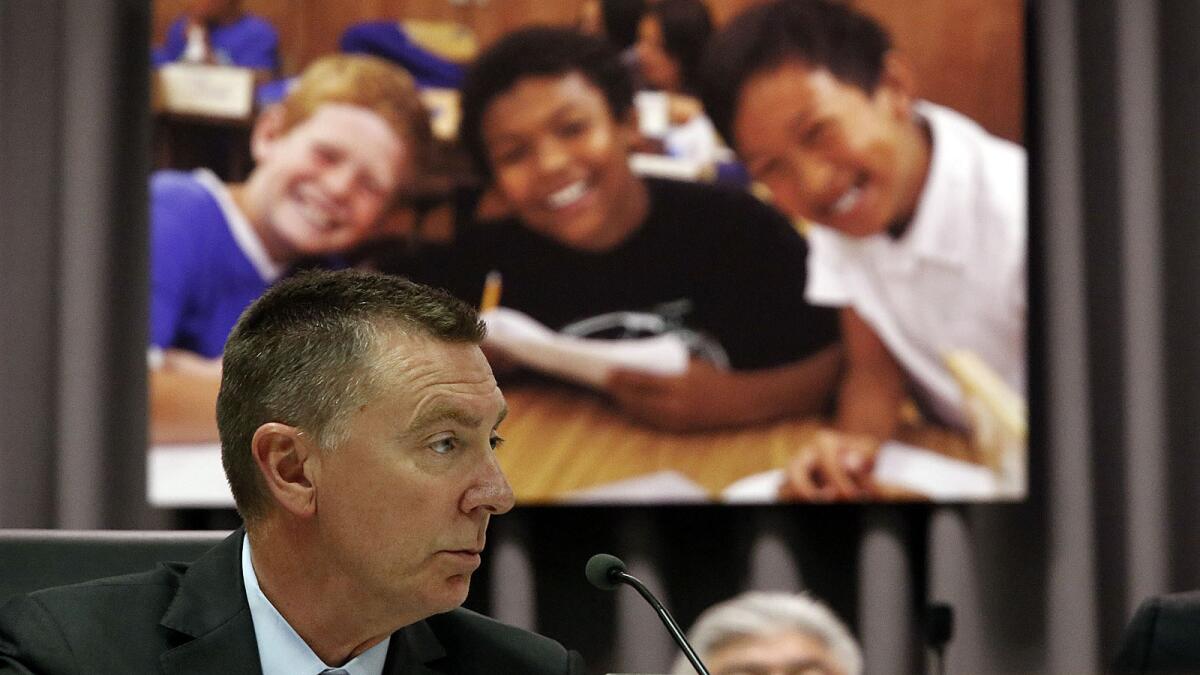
(901, 465)
(186, 475)
(940, 478)
(758, 488)
(582, 360)
(659, 487)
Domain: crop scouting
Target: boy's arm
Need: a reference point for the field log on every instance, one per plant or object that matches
(874, 385)
(183, 398)
(706, 397)
(838, 464)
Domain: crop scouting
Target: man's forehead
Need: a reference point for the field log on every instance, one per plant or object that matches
(396, 345)
(411, 351)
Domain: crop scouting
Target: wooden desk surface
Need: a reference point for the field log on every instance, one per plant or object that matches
(559, 440)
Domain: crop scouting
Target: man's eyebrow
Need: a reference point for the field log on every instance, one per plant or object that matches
(443, 413)
(502, 415)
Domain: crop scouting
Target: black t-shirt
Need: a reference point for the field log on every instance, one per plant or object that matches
(715, 262)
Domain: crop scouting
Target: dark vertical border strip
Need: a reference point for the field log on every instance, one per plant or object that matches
(31, 84)
(1106, 315)
(1179, 23)
(128, 283)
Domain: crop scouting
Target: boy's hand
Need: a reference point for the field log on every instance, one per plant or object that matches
(833, 466)
(687, 402)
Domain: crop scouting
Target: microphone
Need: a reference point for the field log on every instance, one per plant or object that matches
(606, 572)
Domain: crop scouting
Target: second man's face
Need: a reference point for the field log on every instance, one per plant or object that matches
(560, 160)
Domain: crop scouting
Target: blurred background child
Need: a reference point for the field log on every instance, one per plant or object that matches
(918, 218)
(329, 160)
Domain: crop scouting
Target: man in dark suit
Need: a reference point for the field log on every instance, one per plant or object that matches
(1163, 637)
(358, 421)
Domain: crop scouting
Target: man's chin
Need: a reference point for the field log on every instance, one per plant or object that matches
(453, 594)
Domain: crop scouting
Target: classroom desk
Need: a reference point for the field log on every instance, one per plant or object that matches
(560, 440)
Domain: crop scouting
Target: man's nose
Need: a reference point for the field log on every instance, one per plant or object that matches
(491, 492)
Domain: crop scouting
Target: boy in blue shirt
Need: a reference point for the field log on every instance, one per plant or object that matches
(329, 159)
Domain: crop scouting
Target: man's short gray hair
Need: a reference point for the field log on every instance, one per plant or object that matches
(304, 355)
(759, 614)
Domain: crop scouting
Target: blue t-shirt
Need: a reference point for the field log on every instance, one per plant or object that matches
(200, 277)
(250, 42)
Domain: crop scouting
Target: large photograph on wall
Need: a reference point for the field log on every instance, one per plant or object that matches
(727, 251)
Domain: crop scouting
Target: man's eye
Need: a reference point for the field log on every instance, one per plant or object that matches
(444, 446)
(496, 441)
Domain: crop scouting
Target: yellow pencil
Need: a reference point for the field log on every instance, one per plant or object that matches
(492, 284)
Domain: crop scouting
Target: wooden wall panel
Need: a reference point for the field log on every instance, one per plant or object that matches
(968, 54)
(164, 13)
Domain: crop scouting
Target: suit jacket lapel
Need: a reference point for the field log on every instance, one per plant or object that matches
(412, 649)
(210, 607)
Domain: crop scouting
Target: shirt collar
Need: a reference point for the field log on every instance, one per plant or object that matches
(936, 228)
(245, 236)
(281, 651)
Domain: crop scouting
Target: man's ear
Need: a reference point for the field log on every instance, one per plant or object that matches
(267, 129)
(898, 82)
(287, 461)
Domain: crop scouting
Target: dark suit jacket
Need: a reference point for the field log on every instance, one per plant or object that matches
(195, 619)
(1163, 637)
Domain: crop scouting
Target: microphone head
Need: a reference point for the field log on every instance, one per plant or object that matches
(600, 568)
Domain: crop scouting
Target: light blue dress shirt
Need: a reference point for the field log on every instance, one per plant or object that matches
(281, 651)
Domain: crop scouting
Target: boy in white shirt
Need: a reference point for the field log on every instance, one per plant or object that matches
(919, 219)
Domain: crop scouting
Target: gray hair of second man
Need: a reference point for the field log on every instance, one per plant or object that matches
(760, 614)
(303, 355)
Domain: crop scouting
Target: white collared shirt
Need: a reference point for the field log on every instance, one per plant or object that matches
(955, 279)
(281, 651)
